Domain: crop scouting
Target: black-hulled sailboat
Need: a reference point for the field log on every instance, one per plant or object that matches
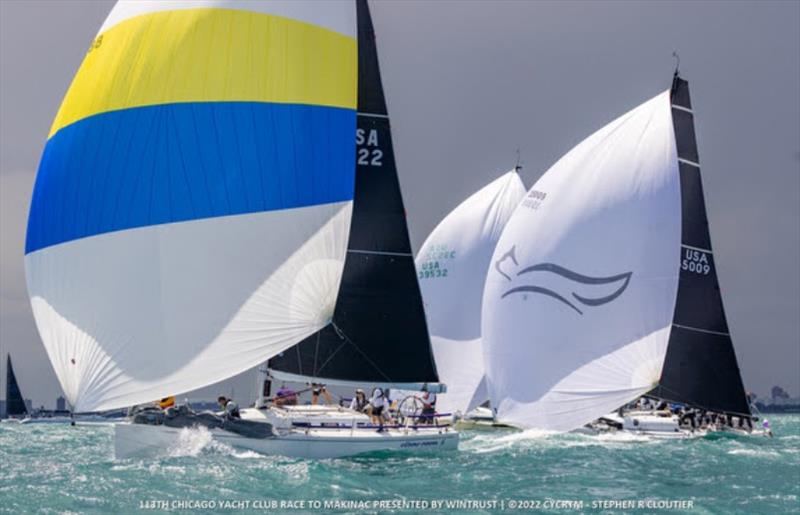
(15, 403)
(604, 289)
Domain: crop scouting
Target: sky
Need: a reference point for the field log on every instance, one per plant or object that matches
(470, 82)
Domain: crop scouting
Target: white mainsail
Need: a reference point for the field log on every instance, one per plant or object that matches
(581, 290)
(192, 207)
(451, 266)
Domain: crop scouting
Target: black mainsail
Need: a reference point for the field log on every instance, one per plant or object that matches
(15, 404)
(700, 368)
(378, 334)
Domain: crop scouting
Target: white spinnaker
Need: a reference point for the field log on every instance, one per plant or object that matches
(132, 316)
(581, 290)
(452, 265)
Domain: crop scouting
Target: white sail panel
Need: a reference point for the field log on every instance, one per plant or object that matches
(451, 266)
(581, 289)
(336, 15)
(132, 316)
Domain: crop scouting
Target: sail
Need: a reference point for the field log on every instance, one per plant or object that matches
(15, 404)
(700, 367)
(580, 294)
(378, 334)
(192, 204)
(452, 266)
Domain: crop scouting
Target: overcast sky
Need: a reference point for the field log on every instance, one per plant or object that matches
(468, 83)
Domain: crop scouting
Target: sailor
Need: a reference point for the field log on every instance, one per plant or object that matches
(375, 407)
(428, 407)
(316, 389)
(230, 408)
(359, 402)
(285, 397)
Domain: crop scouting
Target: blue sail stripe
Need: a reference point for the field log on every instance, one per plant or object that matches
(178, 162)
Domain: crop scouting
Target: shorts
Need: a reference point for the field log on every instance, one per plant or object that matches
(376, 412)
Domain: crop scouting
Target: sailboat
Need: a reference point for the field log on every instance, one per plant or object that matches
(15, 407)
(452, 266)
(603, 287)
(197, 202)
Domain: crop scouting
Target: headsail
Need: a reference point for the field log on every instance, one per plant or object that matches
(452, 266)
(15, 404)
(378, 334)
(700, 368)
(192, 205)
(580, 295)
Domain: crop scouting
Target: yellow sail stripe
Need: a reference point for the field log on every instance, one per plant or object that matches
(204, 55)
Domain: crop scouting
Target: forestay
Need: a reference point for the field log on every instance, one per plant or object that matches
(581, 289)
(192, 206)
(452, 266)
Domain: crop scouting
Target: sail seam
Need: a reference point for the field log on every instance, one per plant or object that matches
(700, 330)
(688, 162)
(708, 251)
(681, 108)
(379, 252)
(372, 115)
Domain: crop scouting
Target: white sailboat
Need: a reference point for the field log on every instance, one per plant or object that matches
(213, 223)
(452, 266)
(603, 287)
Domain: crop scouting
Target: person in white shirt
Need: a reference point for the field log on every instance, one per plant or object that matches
(359, 402)
(428, 407)
(376, 404)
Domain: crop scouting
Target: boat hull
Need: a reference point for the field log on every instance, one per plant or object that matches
(141, 440)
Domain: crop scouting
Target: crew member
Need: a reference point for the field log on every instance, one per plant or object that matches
(376, 404)
(359, 402)
(316, 389)
(230, 408)
(428, 407)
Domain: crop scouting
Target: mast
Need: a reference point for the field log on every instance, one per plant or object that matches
(15, 404)
(700, 368)
(378, 333)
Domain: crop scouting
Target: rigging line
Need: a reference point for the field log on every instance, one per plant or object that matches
(347, 339)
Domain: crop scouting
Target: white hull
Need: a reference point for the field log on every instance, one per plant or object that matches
(141, 440)
(138, 440)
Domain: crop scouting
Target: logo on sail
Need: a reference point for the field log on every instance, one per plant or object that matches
(573, 288)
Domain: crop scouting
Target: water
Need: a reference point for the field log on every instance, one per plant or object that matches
(58, 469)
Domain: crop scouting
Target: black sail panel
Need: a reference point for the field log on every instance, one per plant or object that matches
(15, 404)
(379, 333)
(700, 368)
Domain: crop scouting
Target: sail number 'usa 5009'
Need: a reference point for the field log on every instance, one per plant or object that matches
(695, 261)
(368, 152)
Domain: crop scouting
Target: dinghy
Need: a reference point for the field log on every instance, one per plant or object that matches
(603, 286)
(452, 266)
(214, 170)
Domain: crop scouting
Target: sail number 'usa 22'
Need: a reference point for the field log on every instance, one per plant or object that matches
(369, 153)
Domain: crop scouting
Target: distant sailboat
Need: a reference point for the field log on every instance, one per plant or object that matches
(15, 404)
(603, 286)
(452, 266)
(192, 218)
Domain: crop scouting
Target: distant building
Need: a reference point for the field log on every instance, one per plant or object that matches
(61, 404)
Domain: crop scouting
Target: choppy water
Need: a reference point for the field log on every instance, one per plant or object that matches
(57, 469)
